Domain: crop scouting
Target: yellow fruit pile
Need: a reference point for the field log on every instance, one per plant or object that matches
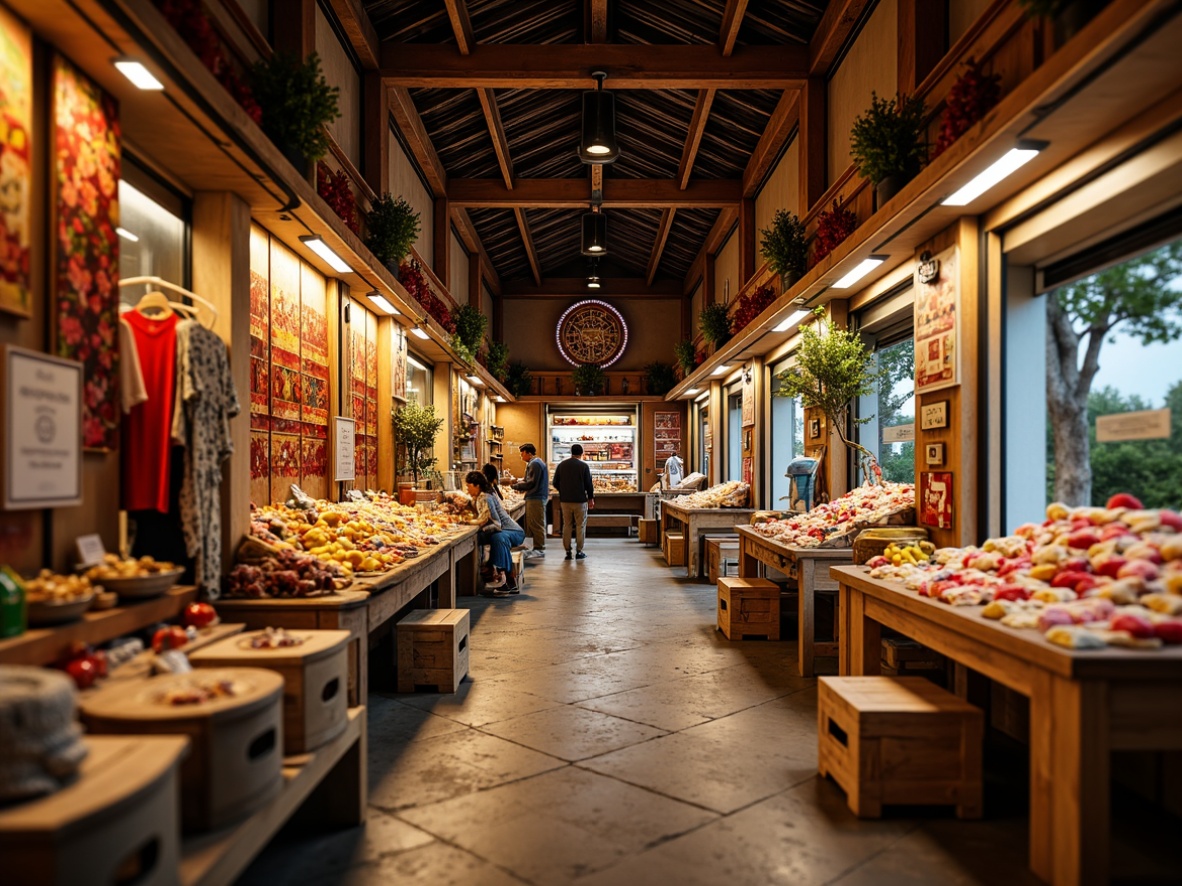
(912, 553)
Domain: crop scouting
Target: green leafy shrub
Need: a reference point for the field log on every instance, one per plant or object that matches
(784, 245)
(887, 140)
(297, 103)
(659, 378)
(393, 227)
(715, 323)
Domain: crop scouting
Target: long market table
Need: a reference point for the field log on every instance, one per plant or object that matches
(1083, 706)
(370, 603)
(695, 522)
(808, 567)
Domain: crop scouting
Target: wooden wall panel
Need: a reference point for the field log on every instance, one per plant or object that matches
(339, 71)
(962, 14)
(405, 182)
(523, 423)
(458, 275)
(781, 191)
(727, 281)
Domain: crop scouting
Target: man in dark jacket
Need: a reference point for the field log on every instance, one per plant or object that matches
(536, 487)
(576, 494)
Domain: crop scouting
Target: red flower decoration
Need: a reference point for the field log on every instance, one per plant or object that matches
(833, 226)
(970, 98)
(334, 188)
(751, 305)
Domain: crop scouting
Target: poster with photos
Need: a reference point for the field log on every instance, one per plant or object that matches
(936, 503)
(16, 180)
(666, 437)
(937, 321)
(748, 413)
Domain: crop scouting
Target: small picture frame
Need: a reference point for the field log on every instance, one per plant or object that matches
(747, 439)
(933, 416)
(814, 428)
(934, 454)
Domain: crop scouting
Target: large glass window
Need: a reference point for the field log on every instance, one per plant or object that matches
(890, 432)
(787, 421)
(734, 430)
(153, 232)
(418, 382)
(706, 438)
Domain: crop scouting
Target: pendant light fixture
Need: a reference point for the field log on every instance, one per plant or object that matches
(598, 142)
(593, 278)
(594, 233)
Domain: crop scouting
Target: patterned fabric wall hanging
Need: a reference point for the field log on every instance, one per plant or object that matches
(16, 181)
(86, 151)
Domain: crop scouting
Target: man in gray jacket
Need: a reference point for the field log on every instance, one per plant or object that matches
(536, 487)
(576, 494)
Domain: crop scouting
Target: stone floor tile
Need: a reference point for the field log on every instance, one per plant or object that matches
(436, 864)
(389, 720)
(482, 700)
(572, 733)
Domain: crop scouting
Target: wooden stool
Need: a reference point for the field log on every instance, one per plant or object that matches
(518, 556)
(433, 649)
(647, 531)
(748, 607)
(720, 550)
(675, 548)
(899, 740)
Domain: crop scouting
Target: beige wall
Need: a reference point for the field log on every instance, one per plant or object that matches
(258, 11)
(695, 309)
(530, 325)
(405, 182)
(961, 14)
(339, 71)
(523, 424)
(458, 269)
(871, 65)
(781, 191)
(486, 305)
(726, 271)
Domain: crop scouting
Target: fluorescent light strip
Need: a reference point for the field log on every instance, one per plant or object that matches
(140, 76)
(475, 379)
(863, 268)
(383, 303)
(420, 332)
(416, 364)
(1013, 160)
(790, 321)
(692, 392)
(721, 370)
(703, 397)
(322, 249)
(127, 235)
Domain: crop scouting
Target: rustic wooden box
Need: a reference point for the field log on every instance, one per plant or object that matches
(116, 823)
(433, 649)
(901, 657)
(748, 607)
(719, 551)
(235, 756)
(518, 558)
(675, 548)
(647, 531)
(899, 740)
(315, 681)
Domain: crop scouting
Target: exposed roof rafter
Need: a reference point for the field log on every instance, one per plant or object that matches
(595, 17)
(496, 129)
(694, 140)
(654, 261)
(620, 193)
(835, 27)
(783, 120)
(461, 24)
(732, 20)
(528, 240)
(402, 106)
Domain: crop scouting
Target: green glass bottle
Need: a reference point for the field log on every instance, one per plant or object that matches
(12, 603)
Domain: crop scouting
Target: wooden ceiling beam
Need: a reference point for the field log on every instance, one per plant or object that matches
(663, 230)
(496, 129)
(527, 239)
(785, 117)
(471, 240)
(595, 20)
(569, 66)
(564, 287)
(461, 25)
(359, 29)
(732, 21)
(571, 193)
(693, 141)
(406, 116)
(835, 27)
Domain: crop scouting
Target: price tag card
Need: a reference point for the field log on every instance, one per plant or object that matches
(90, 549)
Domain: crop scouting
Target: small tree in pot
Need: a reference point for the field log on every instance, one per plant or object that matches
(886, 143)
(393, 227)
(834, 368)
(684, 355)
(297, 102)
(415, 429)
(785, 248)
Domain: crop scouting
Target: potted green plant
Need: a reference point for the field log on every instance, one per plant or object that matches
(470, 326)
(415, 429)
(834, 367)
(685, 356)
(497, 360)
(519, 381)
(589, 379)
(297, 103)
(659, 378)
(886, 143)
(715, 323)
(393, 227)
(785, 247)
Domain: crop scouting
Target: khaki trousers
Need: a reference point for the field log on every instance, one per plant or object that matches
(574, 515)
(535, 522)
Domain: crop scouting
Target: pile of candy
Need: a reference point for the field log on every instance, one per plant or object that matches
(734, 494)
(286, 573)
(836, 522)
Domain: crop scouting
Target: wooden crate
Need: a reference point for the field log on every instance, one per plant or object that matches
(315, 681)
(116, 822)
(675, 548)
(433, 649)
(518, 558)
(899, 740)
(719, 551)
(901, 656)
(235, 757)
(748, 607)
(647, 531)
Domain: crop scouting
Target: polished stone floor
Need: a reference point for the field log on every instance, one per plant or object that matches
(609, 735)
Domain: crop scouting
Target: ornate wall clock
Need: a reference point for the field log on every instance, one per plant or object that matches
(591, 331)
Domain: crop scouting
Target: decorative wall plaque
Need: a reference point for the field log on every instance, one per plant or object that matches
(591, 331)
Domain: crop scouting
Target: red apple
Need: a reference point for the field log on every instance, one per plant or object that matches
(1171, 519)
(1124, 500)
(1169, 631)
(200, 615)
(83, 671)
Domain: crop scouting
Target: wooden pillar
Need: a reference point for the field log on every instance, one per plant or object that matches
(747, 246)
(838, 315)
(442, 381)
(295, 30)
(376, 149)
(923, 40)
(717, 432)
(813, 136)
(475, 278)
(389, 331)
(441, 259)
(221, 273)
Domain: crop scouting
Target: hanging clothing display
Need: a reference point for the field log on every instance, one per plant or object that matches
(131, 377)
(206, 400)
(147, 430)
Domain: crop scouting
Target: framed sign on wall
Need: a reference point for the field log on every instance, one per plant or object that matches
(937, 324)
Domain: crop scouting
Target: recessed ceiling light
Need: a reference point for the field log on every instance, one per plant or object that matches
(1010, 162)
(382, 303)
(692, 391)
(140, 76)
(860, 270)
(790, 321)
(316, 244)
(721, 370)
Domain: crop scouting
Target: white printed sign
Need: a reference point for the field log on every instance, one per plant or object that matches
(344, 449)
(1150, 424)
(899, 434)
(43, 430)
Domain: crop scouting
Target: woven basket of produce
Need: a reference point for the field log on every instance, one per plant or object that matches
(872, 542)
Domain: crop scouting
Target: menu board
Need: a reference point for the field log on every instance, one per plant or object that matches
(666, 437)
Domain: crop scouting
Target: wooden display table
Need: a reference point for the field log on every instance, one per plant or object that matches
(695, 522)
(808, 568)
(1083, 706)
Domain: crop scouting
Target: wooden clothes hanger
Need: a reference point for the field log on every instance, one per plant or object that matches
(158, 301)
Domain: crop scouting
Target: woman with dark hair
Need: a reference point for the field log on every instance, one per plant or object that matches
(494, 479)
(497, 530)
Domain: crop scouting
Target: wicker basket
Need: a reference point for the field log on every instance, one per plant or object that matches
(872, 542)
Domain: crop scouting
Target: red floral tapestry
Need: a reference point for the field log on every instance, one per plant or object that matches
(86, 152)
(16, 181)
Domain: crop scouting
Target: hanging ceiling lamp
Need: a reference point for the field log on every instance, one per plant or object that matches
(594, 233)
(593, 279)
(598, 143)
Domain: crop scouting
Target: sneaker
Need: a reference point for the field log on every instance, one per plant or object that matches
(496, 583)
(494, 592)
(580, 556)
(533, 554)
(568, 555)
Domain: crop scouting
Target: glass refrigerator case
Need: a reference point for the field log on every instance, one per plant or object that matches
(609, 441)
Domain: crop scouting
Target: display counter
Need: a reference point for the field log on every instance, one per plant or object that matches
(695, 523)
(1084, 704)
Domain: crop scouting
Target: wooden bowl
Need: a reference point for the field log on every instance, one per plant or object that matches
(43, 612)
(143, 585)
